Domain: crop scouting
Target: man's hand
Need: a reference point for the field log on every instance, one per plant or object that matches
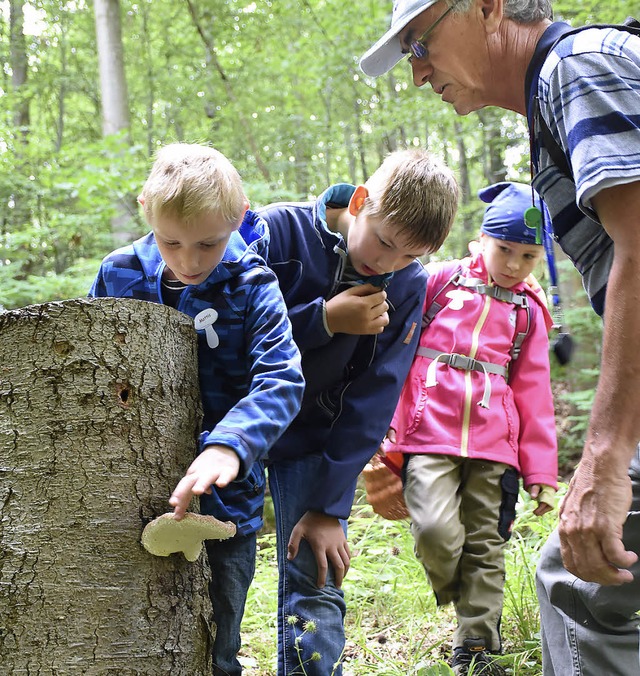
(217, 465)
(327, 541)
(360, 310)
(591, 519)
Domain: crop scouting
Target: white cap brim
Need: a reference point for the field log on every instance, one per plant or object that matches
(384, 55)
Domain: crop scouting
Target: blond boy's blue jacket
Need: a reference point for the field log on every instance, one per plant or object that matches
(352, 382)
(251, 384)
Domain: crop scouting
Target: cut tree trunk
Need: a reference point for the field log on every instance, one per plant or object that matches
(99, 415)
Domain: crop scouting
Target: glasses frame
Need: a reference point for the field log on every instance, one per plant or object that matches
(417, 49)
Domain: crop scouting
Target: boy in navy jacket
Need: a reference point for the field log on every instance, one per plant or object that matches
(201, 259)
(349, 271)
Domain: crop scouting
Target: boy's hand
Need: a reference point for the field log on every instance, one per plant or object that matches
(328, 543)
(217, 465)
(360, 310)
(545, 495)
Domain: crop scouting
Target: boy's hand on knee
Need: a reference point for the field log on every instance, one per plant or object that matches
(361, 310)
(328, 544)
(217, 465)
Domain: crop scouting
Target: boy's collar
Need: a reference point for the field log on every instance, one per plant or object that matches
(337, 195)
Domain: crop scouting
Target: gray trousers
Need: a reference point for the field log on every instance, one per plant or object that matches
(588, 629)
(456, 506)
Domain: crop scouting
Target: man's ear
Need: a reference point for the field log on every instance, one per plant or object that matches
(492, 14)
(141, 200)
(357, 200)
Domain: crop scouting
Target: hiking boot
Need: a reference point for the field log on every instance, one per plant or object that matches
(473, 659)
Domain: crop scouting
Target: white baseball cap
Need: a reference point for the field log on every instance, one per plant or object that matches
(384, 55)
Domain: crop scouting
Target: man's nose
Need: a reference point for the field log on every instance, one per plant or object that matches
(422, 71)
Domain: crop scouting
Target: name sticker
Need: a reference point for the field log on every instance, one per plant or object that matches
(205, 320)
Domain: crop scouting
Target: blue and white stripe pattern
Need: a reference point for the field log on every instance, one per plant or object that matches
(589, 96)
(251, 383)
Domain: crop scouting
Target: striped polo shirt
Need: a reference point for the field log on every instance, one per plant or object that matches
(589, 95)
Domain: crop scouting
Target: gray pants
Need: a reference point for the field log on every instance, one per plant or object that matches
(589, 629)
(456, 507)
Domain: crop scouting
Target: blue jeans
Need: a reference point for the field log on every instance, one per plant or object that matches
(587, 628)
(299, 599)
(233, 563)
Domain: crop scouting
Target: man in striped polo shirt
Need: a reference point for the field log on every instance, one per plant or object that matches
(581, 95)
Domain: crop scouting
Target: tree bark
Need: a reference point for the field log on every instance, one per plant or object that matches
(99, 415)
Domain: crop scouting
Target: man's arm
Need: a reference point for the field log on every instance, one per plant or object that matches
(595, 508)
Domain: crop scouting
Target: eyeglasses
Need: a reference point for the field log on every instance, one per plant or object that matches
(417, 47)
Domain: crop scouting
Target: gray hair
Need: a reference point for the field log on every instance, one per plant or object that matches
(520, 11)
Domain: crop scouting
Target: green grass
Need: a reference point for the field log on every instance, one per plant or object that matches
(393, 626)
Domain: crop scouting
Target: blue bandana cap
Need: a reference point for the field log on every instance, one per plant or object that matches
(504, 217)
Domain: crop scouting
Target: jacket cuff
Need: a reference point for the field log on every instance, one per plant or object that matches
(324, 319)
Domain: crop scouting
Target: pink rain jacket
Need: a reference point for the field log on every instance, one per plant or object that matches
(518, 428)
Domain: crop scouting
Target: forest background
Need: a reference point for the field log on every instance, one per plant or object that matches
(90, 91)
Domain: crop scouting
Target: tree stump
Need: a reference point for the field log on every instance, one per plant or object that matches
(99, 415)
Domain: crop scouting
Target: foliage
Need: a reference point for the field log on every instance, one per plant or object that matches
(223, 72)
(393, 625)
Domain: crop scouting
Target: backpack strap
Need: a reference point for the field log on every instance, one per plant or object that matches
(461, 361)
(497, 292)
(523, 326)
(520, 300)
(435, 307)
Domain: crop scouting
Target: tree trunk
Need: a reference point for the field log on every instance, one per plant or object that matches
(99, 414)
(115, 106)
(113, 82)
(19, 66)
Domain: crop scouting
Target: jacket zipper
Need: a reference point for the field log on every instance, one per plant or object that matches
(468, 385)
(342, 262)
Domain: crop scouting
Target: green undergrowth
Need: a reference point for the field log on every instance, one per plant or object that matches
(393, 625)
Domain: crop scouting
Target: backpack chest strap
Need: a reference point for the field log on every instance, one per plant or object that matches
(497, 292)
(460, 361)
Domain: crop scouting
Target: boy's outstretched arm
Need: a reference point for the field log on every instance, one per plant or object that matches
(217, 465)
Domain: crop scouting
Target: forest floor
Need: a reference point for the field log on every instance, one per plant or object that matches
(393, 625)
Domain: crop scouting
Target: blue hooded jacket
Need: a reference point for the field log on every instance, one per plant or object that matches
(352, 382)
(251, 384)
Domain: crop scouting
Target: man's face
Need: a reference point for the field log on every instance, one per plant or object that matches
(376, 248)
(191, 251)
(456, 63)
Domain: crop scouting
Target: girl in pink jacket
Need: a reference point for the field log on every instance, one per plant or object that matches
(475, 414)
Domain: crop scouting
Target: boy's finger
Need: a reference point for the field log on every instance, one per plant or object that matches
(321, 561)
(223, 480)
(292, 547)
(364, 290)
